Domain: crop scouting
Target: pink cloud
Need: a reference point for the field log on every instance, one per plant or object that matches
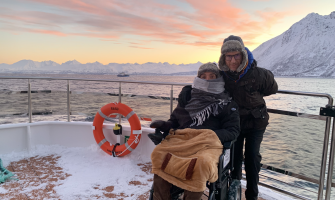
(49, 32)
(96, 35)
(213, 44)
(70, 4)
(204, 25)
(16, 30)
(108, 40)
(272, 17)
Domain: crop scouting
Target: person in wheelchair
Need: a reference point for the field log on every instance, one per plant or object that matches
(208, 120)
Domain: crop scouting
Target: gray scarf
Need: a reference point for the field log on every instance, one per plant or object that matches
(207, 97)
(215, 86)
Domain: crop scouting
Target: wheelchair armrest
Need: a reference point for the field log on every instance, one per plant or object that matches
(229, 144)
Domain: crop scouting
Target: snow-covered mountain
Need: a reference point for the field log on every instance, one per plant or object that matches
(307, 48)
(73, 66)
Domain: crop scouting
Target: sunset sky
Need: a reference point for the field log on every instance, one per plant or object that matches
(140, 31)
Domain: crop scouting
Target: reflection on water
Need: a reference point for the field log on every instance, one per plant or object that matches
(294, 144)
(290, 143)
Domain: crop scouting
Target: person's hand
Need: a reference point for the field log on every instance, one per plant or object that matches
(156, 137)
(164, 126)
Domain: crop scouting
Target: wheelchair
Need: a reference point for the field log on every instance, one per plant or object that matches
(225, 188)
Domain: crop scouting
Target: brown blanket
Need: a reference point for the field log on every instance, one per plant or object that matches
(188, 158)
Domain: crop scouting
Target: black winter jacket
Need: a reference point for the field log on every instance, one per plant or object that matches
(248, 92)
(226, 125)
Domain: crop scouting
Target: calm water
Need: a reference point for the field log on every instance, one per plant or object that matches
(290, 143)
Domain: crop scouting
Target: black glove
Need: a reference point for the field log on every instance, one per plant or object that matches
(164, 126)
(184, 96)
(158, 136)
(162, 130)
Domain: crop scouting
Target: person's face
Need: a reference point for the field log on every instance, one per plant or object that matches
(208, 75)
(233, 60)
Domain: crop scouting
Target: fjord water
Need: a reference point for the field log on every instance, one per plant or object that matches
(290, 143)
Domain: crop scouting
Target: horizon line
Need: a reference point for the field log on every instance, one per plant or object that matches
(102, 63)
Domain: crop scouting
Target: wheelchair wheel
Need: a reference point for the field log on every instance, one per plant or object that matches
(151, 196)
(235, 190)
(176, 192)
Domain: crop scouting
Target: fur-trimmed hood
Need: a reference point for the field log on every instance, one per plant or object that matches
(230, 44)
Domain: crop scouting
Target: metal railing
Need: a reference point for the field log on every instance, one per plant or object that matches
(325, 145)
(326, 136)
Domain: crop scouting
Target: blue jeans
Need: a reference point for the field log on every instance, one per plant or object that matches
(252, 161)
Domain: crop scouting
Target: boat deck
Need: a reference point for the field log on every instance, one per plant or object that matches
(61, 160)
(39, 175)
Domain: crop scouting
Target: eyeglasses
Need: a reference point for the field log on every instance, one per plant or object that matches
(236, 56)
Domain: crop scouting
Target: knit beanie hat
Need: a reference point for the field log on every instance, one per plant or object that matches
(230, 44)
(209, 67)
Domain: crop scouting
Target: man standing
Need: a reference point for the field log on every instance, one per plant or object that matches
(247, 84)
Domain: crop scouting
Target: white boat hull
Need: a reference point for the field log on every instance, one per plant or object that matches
(23, 137)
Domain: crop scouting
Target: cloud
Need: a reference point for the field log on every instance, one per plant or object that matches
(272, 17)
(204, 23)
(258, 0)
(140, 47)
(49, 32)
(108, 40)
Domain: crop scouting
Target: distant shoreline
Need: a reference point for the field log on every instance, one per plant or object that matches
(130, 75)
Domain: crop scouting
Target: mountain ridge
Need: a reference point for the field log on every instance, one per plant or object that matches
(306, 49)
(73, 66)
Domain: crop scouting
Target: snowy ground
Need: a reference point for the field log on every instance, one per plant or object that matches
(91, 173)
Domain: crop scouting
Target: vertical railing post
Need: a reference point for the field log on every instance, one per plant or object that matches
(323, 160)
(120, 101)
(29, 101)
(171, 100)
(331, 156)
(330, 164)
(68, 102)
(324, 156)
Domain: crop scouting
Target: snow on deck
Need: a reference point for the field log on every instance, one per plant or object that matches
(75, 173)
(57, 172)
(40, 175)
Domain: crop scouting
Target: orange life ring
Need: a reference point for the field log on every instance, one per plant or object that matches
(135, 125)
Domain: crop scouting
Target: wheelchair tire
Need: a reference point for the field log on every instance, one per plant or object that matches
(151, 196)
(235, 190)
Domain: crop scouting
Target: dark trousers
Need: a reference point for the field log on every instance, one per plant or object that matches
(252, 160)
(162, 191)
